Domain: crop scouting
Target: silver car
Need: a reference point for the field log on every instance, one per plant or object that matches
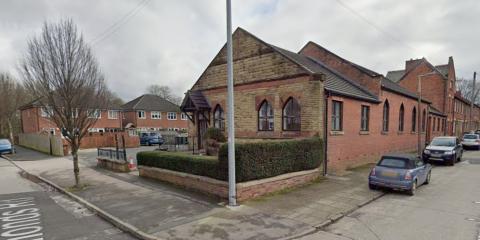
(471, 141)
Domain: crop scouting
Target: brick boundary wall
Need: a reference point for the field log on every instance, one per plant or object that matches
(114, 165)
(245, 191)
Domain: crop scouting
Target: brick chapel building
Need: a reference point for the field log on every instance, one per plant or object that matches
(280, 94)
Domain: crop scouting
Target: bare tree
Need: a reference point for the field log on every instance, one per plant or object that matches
(60, 70)
(12, 96)
(465, 86)
(113, 100)
(164, 92)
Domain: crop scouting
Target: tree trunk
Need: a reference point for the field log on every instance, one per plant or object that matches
(76, 169)
(10, 131)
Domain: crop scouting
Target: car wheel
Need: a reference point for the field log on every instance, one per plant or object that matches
(412, 191)
(372, 187)
(452, 161)
(149, 144)
(429, 175)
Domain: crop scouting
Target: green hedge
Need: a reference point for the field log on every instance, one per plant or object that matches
(272, 158)
(253, 160)
(182, 162)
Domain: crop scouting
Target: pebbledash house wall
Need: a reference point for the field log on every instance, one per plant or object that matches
(260, 73)
(148, 122)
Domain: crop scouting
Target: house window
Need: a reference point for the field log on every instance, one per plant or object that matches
(218, 118)
(401, 115)
(172, 116)
(291, 115)
(94, 113)
(386, 113)
(113, 114)
(265, 117)
(414, 119)
(365, 118)
(46, 111)
(156, 115)
(424, 120)
(141, 114)
(337, 112)
(183, 116)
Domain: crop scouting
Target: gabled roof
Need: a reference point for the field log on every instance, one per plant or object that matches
(361, 68)
(150, 102)
(335, 82)
(395, 75)
(443, 69)
(194, 101)
(398, 75)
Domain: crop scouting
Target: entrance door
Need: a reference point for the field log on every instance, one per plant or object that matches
(202, 129)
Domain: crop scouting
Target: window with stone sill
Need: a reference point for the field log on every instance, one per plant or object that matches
(291, 115)
(265, 117)
(218, 118)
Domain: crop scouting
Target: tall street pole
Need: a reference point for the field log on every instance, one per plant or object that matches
(472, 101)
(232, 192)
(420, 127)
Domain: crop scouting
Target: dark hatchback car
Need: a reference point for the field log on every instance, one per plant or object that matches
(151, 138)
(400, 172)
(443, 149)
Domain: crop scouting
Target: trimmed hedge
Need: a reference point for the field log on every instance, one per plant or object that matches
(181, 162)
(253, 160)
(272, 158)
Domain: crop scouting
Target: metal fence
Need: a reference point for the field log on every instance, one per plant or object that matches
(117, 154)
(174, 141)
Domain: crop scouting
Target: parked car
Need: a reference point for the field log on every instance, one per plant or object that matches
(151, 138)
(471, 141)
(477, 132)
(400, 172)
(6, 146)
(444, 149)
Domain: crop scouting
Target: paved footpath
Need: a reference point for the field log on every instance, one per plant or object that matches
(168, 212)
(31, 211)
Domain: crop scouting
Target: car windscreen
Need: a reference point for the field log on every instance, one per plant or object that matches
(4, 142)
(470, 136)
(443, 142)
(153, 134)
(394, 163)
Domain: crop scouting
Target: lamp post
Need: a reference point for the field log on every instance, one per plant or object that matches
(420, 112)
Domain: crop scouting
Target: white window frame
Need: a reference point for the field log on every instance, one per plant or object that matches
(183, 116)
(169, 116)
(153, 113)
(97, 113)
(144, 116)
(113, 114)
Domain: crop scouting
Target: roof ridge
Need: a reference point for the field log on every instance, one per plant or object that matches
(291, 59)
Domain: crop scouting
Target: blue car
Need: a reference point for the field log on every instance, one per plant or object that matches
(151, 138)
(6, 146)
(400, 172)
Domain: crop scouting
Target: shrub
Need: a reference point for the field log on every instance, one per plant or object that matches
(272, 158)
(215, 134)
(182, 162)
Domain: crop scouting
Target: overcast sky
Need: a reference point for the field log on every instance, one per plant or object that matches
(170, 42)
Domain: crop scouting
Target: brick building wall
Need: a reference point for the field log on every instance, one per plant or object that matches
(352, 147)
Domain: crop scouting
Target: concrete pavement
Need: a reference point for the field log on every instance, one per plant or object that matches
(446, 209)
(32, 211)
(169, 212)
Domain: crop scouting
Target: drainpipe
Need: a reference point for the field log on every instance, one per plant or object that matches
(325, 134)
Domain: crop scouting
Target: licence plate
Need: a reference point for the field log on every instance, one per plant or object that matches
(436, 155)
(389, 174)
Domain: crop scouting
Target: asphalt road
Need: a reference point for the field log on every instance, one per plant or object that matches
(31, 211)
(446, 209)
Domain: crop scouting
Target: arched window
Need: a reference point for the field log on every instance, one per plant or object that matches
(401, 115)
(424, 120)
(265, 117)
(386, 115)
(414, 119)
(218, 118)
(291, 115)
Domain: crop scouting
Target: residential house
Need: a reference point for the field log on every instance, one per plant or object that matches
(153, 113)
(36, 119)
(280, 94)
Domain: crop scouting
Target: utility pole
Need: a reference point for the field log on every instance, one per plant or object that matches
(472, 101)
(232, 192)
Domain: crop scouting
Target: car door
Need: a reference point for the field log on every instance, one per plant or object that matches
(421, 170)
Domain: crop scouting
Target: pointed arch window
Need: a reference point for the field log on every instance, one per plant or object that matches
(265, 117)
(401, 116)
(218, 118)
(424, 120)
(414, 119)
(291, 115)
(386, 116)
